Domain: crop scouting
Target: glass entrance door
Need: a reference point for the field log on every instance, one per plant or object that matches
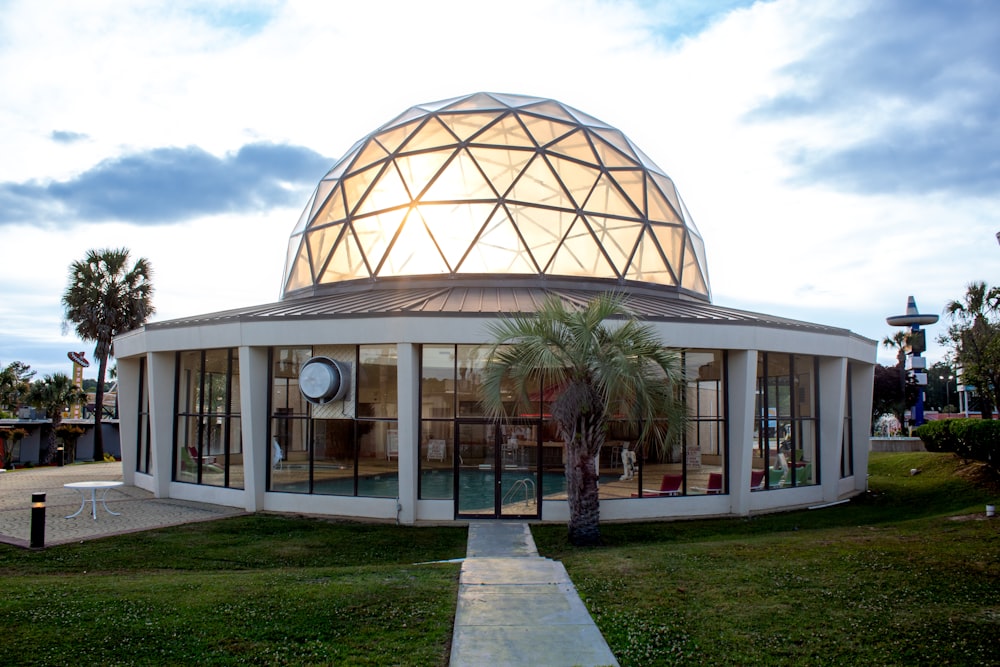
(497, 470)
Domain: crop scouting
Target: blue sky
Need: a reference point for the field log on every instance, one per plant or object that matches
(837, 156)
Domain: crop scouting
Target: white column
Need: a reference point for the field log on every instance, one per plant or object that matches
(254, 391)
(862, 388)
(161, 368)
(741, 387)
(128, 414)
(408, 391)
(832, 399)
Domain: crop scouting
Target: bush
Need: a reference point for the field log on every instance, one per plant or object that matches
(936, 435)
(972, 439)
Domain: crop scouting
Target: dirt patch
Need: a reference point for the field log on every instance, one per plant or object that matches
(981, 475)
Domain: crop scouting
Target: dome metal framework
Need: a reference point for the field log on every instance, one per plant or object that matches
(491, 184)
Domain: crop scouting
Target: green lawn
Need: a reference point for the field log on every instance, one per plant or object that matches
(908, 575)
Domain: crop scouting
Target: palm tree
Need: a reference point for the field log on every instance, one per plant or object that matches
(976, 338)
(54, 393)
(107, 297)
(598, 371)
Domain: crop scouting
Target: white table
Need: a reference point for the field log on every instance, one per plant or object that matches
(83, 487)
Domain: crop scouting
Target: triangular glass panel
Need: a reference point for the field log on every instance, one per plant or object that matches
(405, 117)
(321, 242)
(657, 207)
(393, 138)
(580, 255)
(671, 241)
(300, 274)
(542, 229)
(413, 252)
(476, 102)
(386, 192)
(618, 140)
(692, 278)
(306, 215)
(346, 263)
(376, 232)
(575, 146)
(455, 226)
(607, 199)
(464, 125)
(632, 183)
(333, 210)
(441, 104)
(419, 169)
(505, 132)
(643, 158)
(545, 130)
(617, 237)
(320, 194)
(576, 178)
(587, 119)
(356, 185)
(669, 191)
(500, 165)
(459, 180)
(552, 109)
(341, 165)
(433, 135)
(699, 253)
(610, 156)
(515, 101)
(498, 250)
(373, 152)
(688, 219)
(647, 263)
(537, 185)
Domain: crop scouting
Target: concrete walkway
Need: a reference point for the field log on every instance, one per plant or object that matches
(517, 608)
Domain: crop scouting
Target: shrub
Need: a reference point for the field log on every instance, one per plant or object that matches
(936, 435)
(972, 439)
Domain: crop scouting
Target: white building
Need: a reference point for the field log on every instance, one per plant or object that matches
(425, 231)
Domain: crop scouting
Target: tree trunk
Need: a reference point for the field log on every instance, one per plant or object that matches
(102, 368)
(582, 495)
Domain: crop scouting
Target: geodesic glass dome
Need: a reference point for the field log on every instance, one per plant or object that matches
(491, 184)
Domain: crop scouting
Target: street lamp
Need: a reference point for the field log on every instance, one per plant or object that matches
(947, 388)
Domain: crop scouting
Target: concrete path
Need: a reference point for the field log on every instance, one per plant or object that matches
(138, 509)
(517, 608)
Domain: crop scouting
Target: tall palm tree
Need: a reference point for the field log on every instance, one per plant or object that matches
(54, 393)
(107, 296)
(599, 370)
(976, 337)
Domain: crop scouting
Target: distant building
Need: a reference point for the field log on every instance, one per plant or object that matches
(356, 394)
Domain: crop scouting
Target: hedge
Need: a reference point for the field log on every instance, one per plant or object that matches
(973, 439)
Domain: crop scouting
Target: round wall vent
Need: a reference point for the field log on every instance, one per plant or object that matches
(324, 380)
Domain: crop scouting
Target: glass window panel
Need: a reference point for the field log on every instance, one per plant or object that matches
(356, 186)
(617, 140)
(611, 157)
(671, 241)
(346, 262)
(538, 186)
(437, 387)
(551, 109)
(666, 186)
(505, 132)
(618, 238)
(476, 102)
(333, 456)
(647, 263)
(455, 226)
(632, 183)
(500, 165)
(378, 462)
(418, 169)
(471, 361)
(580, 255)
(372, 153)
(460, 180)
(606, 198)
(377, 387)
(691, 276)
(546, 130)
(658, 208)
(543, 229)
(498, 250)
(300, 272)
(392, 139)
(386, 192)
(577, 179)
(464, 125)
(376, 232)
(437, 452)
(321, 242)
(306, 215)
(575, 146)
(413, 252)
(333, 209)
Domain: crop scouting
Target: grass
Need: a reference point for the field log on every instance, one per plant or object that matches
(907, 575)
(259, 590)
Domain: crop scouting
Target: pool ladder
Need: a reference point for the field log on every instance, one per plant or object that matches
(527, 485)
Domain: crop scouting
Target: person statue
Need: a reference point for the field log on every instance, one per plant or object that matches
(628, 463)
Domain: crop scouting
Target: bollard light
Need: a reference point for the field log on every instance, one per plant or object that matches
(37, 520)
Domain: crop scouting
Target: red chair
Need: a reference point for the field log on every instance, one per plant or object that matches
(714, 483)
(757, 480)
(670, 485)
